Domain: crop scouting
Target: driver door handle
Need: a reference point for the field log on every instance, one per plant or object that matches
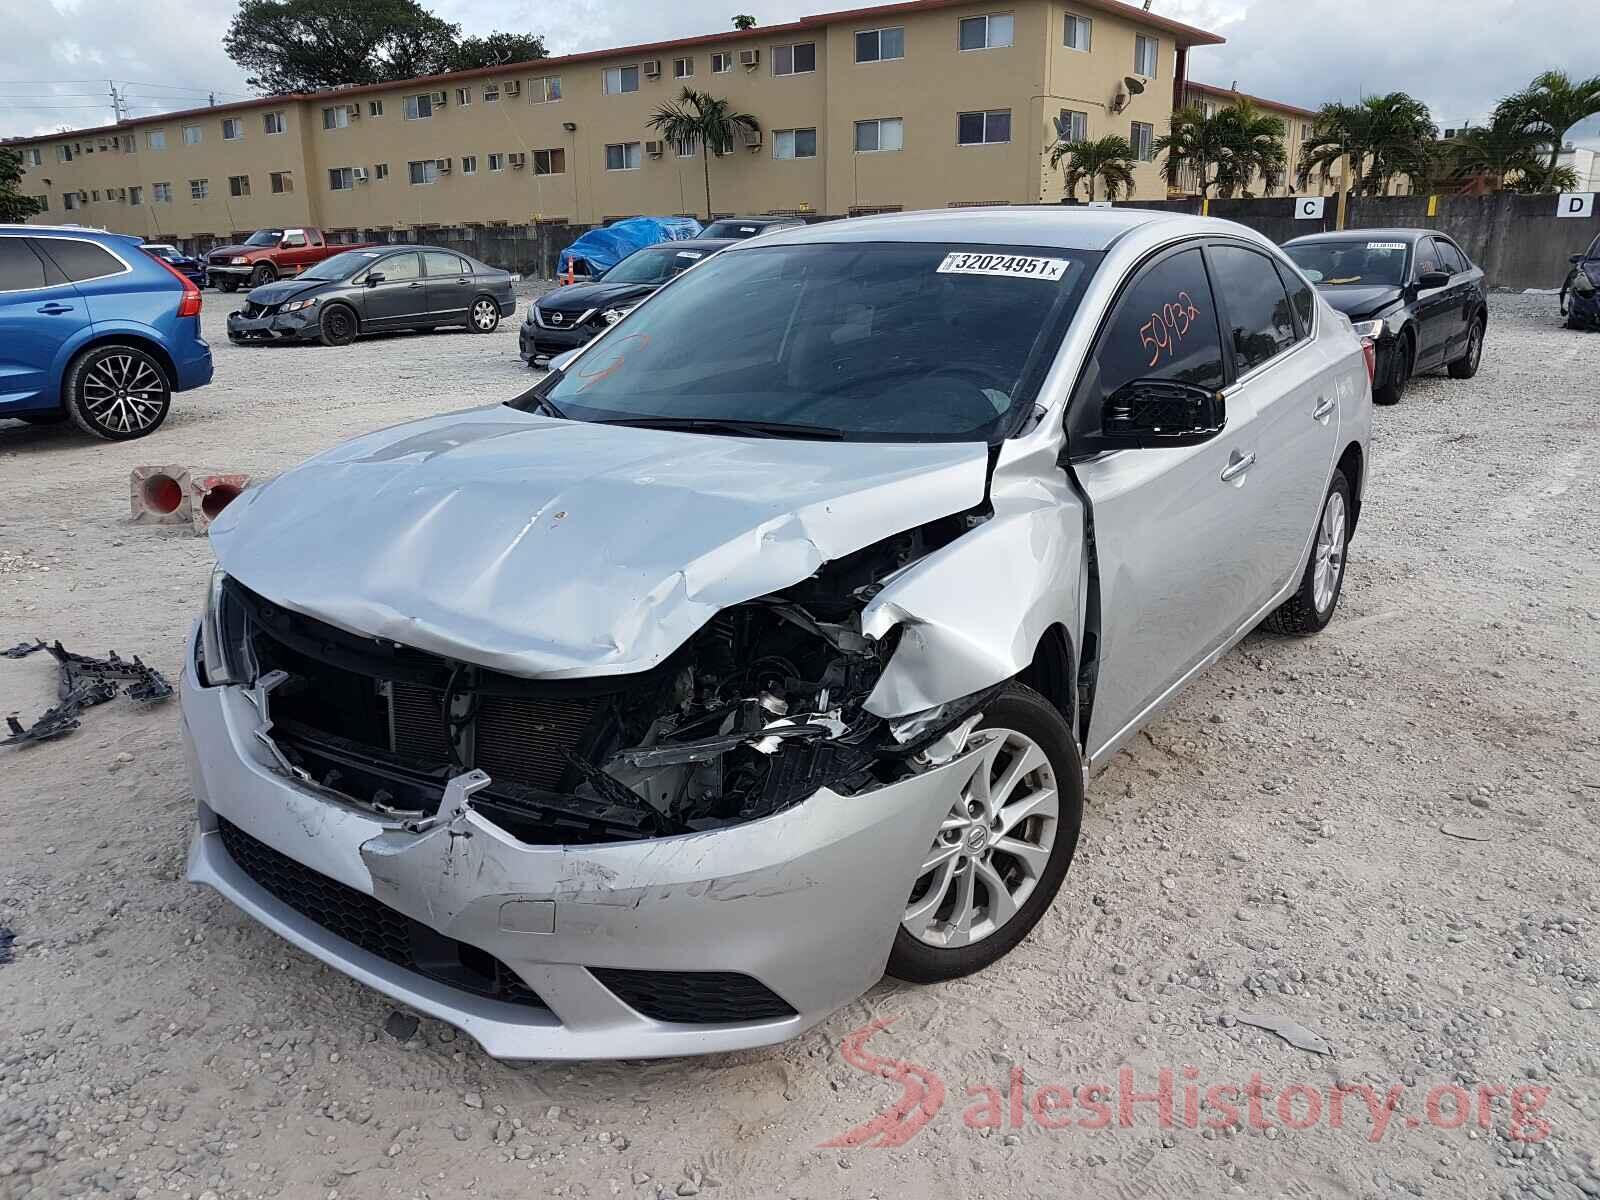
(1238, 464)
(1323, 408)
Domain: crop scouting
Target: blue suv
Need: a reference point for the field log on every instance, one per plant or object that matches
(94, 330)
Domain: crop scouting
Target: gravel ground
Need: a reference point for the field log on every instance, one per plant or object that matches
(1384, 834)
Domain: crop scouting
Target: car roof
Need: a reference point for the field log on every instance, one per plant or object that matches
(698, 245)
(1067, 227)
(1366, 235)
(757, 221)
(78, 231)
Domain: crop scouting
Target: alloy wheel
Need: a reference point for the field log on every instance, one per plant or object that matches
(993, 846)
(485, 316)
(124, 393)
(1329, 553)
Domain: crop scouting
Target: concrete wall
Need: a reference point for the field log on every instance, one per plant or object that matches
(1517, 240)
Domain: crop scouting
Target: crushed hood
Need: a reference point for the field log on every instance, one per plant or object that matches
(282, 289)
(1361, 302)
(550, 548)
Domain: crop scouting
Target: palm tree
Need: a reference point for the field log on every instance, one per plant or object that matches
(1252, 144)
(1195, 142)
(1497, 153)
(1109, 159)
(706, 121)
(1553, 103)
(1384, 136)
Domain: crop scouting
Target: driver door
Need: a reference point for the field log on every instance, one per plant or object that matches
(400, 297)
(1174, 526)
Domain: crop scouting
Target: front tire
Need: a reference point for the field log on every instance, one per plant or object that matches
(117, 392)
(483, 316)
(1001, 853)
(1394, 386)
(1466, 366)
(228, 283)
(1312, 606)
(262, 276)
(337, 326)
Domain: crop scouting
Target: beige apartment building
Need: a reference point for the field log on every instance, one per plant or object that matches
(1297, 129)
(927, 103)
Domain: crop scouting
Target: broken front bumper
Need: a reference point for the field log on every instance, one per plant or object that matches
(786, 918)
(302, 324)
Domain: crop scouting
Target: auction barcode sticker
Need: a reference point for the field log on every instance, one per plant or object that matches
(1015, 266)
(1386, 245)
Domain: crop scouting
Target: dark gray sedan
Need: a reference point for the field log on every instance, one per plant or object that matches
(373, 289)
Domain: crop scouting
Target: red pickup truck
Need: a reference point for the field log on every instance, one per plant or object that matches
(269, 254)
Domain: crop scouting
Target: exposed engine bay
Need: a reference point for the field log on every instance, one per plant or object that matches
(762, 707)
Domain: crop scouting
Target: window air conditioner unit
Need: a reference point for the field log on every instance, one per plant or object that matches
(751, 138)
(442, 165)
(439, 99)
(652, 68)
(359, 174)
(511, 87)
(518, 160)
(654, 149)
(749, 58)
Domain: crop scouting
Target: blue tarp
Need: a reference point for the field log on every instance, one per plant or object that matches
(604, 248)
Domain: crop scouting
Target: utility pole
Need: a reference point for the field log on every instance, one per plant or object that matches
(116, 101)
(1344, 189)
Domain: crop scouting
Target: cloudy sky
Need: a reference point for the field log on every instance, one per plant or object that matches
(58, 54)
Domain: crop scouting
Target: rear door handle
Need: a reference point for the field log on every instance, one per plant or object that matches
(1322, 410)
(53, 308)
(1238, 464)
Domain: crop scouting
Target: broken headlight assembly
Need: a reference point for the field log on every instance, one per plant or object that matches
(225, 652)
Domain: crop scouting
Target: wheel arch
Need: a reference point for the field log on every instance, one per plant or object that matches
(137, 341)
(1352, 463)
(1053, 673)
(355, 313)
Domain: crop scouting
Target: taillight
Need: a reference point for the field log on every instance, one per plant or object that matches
(1369, 354)
(189, 306)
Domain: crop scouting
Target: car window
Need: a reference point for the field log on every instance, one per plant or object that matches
(1165, 327)
(20, 268)
(437, 262)
(1260, 319)
(398, 266)
(1427, 259)
(1449, 256)
(81, 261)
(1299, 296)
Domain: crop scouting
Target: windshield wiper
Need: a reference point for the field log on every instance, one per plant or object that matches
(733, 425)
(542, 405)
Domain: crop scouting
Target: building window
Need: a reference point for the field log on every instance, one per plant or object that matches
(622, 156)
(381, 170)
(426, 171)
(419, 107)
(497, 162)
(69, 201)
(44, 201)
(63, 153)
(983, 128)
(463, 96)
(876, 45)
(1143, 139)
(683, 68)
(986, 33)
(272, 122)
(545, 90)
(280, 182)
(199, 189)
(886, 133)
(620, 79)
(95, 196)
(156, 139)
(721, 62)
(135, 196)
(161, 193)
(1305, 131)
(191, 135)
(550, 162)
(374, 108)
(232, 129)
(341, 179)
(469, 164)
(798, 59)
(238, 185)
(1073, 126)
(336, 117)
(1077, 33)
(685, 147)
(1145, 50)
(794, 143)
(127, 143)
(35, 159)
(491, 93)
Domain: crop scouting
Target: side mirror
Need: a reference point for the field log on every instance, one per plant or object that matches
(1433, 279)
(1161, 412)
(374, 279)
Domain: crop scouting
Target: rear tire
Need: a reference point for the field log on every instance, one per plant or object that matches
(483, 316)
(1312, 606)
(1027, 820)
(1400, 361)
(338, 325)
(1466, 366)
(117, 392)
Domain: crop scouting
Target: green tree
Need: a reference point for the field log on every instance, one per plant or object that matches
(1108, 160)
(1552, 104)
(1499, 152)
(14, 206)
(1385, 136)
(1252, 145)
(708, 122)
(496, 50)
(1193, 142)
(744, 21)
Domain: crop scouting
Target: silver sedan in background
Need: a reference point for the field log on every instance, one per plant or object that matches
(664, 708)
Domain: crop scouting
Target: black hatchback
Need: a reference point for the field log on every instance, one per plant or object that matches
(1413, 292)
(374, 289)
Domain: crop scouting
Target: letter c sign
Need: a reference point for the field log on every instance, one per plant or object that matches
(1575, 204)
(1309, 208)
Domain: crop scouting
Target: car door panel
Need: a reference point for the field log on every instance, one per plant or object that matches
(40, 312)
(1463, 287)
(401, 298)
(449, 285)
(1432, 306)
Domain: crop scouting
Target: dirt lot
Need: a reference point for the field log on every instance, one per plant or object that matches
(1385, 834)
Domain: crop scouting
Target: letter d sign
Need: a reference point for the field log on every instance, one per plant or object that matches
(1575, 204)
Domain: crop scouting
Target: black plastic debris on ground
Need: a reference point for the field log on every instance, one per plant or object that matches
(83, 682)
(7, 938)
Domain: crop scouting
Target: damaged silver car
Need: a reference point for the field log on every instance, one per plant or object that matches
(766, 644)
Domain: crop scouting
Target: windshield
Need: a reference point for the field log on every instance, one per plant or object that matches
(166, 252)
(731, 229)
(654, 264)
(1351, 263)
(264, 237)
(884, 341)
(340, 266)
